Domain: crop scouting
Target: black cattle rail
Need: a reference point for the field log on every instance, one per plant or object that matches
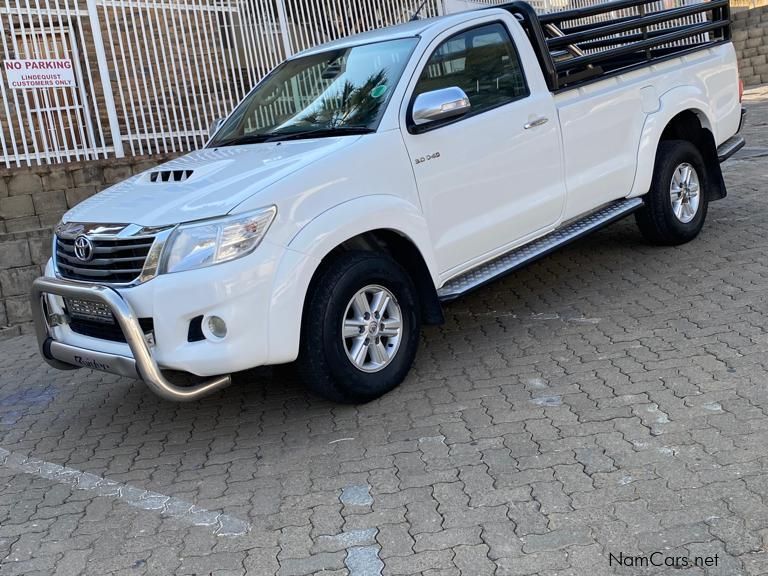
(574, 54)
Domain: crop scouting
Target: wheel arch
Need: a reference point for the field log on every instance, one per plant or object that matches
(404, 251)
(693, 126)
(683, 114)
(384, 223)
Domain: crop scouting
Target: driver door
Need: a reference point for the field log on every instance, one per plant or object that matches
(491, 178)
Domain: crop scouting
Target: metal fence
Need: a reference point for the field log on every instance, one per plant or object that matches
(150, 76)
(51, 124)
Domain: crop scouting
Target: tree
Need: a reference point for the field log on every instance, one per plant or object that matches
(352, 105)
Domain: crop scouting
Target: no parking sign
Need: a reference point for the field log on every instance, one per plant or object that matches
(26, 74)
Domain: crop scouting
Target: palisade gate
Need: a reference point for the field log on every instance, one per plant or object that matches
(93, 79)
(150, 76)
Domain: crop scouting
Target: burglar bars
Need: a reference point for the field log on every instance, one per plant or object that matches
(151, 76)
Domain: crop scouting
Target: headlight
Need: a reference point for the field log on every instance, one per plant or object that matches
(201, 244)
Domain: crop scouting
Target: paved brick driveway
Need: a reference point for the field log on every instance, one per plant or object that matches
(610, 399)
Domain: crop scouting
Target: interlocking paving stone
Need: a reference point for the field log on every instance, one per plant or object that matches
(359, 495)
(346, 540)
(223, 524)
(364, 561)
(608, 398)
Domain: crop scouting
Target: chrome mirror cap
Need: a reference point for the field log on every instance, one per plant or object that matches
(439, 105)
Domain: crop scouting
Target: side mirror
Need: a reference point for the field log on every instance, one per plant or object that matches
(215, 127)
(439, 105)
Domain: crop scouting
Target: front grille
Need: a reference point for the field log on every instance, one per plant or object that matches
(114, 260)
(105, 331)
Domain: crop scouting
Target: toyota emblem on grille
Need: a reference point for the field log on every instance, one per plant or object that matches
(83, 248)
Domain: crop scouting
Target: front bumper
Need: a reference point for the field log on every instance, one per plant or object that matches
(141, 365)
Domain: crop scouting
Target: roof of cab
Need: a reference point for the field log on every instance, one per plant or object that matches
(406, 30)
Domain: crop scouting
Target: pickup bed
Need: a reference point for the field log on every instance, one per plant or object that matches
(364, 182)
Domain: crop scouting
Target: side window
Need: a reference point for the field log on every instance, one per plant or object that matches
(483, 62)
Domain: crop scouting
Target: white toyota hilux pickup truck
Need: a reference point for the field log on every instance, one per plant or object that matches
(365, 181)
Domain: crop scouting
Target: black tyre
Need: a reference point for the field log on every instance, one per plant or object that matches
(676, 205)
(361, 328)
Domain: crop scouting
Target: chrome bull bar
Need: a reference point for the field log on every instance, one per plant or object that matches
(142, 365)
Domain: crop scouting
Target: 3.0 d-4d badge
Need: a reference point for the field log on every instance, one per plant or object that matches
(427, 158)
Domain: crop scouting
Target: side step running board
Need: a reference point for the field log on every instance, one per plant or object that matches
(523, 255)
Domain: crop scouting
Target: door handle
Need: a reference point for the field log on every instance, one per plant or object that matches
(538, 122)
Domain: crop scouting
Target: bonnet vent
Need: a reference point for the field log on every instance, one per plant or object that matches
(170, 175)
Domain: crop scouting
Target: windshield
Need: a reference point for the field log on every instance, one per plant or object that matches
(341, 91)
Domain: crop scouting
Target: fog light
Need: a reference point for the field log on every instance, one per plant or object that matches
(216, 326)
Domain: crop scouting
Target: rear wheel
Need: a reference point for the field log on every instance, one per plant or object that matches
(676, 205)
(361, 328)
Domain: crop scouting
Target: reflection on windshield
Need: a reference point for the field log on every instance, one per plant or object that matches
(332, 92)
(352, 106)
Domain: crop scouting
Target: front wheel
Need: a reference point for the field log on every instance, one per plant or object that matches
(361, 328)
(676, 205)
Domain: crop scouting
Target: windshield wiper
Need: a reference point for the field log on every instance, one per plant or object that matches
(247, 139)
(319, 133)
(280, 136)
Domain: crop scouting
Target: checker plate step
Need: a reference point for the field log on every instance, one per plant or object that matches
(522, 255)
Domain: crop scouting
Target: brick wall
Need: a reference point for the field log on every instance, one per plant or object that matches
(22, 259)
(32, 201)
(750, 38)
